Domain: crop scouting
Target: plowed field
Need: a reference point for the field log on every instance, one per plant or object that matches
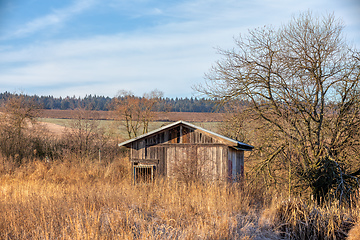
(160, 116)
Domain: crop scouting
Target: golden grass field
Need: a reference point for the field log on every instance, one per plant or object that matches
(72, 200)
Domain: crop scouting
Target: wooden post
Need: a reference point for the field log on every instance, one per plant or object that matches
(181, 134)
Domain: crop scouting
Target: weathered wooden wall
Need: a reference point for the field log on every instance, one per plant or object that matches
(209, 159)
(236, 163)
(173, 147)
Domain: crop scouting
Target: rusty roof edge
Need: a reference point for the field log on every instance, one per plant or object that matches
(247, 146)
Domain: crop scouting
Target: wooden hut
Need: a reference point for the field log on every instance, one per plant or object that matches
(183, 148)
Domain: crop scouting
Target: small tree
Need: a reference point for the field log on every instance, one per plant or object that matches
(147, 103)
(136, 112)
(19, 112)
(302, 81)
(84, 136)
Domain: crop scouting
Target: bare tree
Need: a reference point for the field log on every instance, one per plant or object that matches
(127, 108)
(135, 111)
(85, 136)
(235, 123)
(19, 111)
(147, 107)
(302, 80)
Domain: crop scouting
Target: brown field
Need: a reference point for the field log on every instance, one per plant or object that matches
(159, 116)
(56, 121)
(55, 129)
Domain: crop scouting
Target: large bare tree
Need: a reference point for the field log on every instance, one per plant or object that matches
(302, 82)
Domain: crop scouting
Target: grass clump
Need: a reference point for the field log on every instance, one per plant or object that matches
(296, 219)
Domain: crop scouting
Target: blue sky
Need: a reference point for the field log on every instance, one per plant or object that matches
(81, 47)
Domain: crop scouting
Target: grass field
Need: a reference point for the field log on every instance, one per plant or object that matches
(71, 200)
(118, 127)
(158, 116)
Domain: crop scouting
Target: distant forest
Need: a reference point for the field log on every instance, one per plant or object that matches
(101, 103)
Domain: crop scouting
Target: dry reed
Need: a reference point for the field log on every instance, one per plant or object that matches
(296, 219)
(67, 200)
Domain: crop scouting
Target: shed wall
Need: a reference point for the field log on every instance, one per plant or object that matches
(210, 160)
(170, 149)
(236, 163)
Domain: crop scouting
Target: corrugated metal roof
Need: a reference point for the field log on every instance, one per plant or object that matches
(242, 146)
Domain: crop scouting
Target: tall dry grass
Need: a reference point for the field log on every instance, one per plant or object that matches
(298, 219)
(69, 200)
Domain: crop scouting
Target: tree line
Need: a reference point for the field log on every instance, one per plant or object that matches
(103, 103)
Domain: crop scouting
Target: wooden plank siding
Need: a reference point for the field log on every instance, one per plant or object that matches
(237, 161)
(168, 148)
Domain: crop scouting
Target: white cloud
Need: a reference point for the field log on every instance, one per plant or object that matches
(106, 64)
(171, 56)
(56, 17)
(139, 62)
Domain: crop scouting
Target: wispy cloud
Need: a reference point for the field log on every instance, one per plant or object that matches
(171, 55)
(138, 61)
(55, 18)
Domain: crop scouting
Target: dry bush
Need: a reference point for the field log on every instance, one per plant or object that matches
(295, 219)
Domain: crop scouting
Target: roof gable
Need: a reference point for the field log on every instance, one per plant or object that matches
(229, 141)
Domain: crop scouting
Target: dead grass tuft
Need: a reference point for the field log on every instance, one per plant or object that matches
(296, 219)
